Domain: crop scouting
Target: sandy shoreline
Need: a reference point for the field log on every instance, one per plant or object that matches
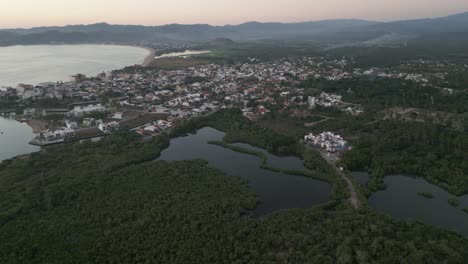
(149, 58)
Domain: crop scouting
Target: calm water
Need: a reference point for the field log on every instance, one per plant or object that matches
(14, 138)
(51, 63)
(275, 190)
(401, 200)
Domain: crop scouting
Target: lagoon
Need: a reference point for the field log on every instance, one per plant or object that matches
(401, 199)
(275, 190)
(14, 138)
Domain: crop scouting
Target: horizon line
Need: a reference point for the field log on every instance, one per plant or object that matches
(225, 25)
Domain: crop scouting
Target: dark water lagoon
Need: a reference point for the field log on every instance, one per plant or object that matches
(402, 200)
(275, 190)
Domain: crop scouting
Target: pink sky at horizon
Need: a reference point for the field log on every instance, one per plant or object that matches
(33, 13)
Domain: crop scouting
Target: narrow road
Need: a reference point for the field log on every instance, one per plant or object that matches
(353, 198)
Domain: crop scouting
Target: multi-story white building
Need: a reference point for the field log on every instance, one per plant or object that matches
(327, 141)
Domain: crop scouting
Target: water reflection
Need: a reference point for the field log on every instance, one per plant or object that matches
(401, 200)
(275, 190)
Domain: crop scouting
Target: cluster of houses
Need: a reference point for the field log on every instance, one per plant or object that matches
(154, 128)
(335, 101)
(56, 136)
(327, 141)
(91, 122)
(190, 86)
(52, 136)
(81, 109)
(257, 87)
(76, 110)
(253, 113)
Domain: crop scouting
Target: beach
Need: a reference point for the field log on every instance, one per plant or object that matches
(149, 58)
(184, 54)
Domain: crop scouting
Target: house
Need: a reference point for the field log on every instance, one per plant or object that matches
(109, 127)
(151, 129)
(46, 112)
(71, 125)
(117, 115)
(262, 110)
(29, 112)
(163, 124)
(312, 101)
(85, 108)
(447, 91)
(89, 122)
(250, 115)
(34, 112)
(58, 135)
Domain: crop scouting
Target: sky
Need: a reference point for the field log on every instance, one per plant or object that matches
(33, 13)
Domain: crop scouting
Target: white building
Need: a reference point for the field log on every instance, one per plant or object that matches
(58, 135)
(325, 100)
(89, 122)
(71, 125)
(163, 124)
(109, 127)
(327, 141)
(80, 110)
(151, 129)
(312, 101)
(117, 115)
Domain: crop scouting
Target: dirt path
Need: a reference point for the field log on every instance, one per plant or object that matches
(353, 197)
(312, 124)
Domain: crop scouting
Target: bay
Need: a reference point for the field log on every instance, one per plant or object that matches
(51, 63)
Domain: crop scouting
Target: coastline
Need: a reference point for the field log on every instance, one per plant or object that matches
(65, 78)
(148, 59)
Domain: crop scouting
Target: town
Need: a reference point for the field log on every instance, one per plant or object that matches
(151, 100)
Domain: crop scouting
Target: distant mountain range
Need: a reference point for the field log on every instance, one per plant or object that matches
(103, 32)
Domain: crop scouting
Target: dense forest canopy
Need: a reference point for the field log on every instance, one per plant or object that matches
(421, 149)
(110, 202)
(380, 93)
(407, 127)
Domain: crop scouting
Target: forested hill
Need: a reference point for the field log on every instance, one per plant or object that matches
(174, 32)
(338, 28)
(109, 202)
